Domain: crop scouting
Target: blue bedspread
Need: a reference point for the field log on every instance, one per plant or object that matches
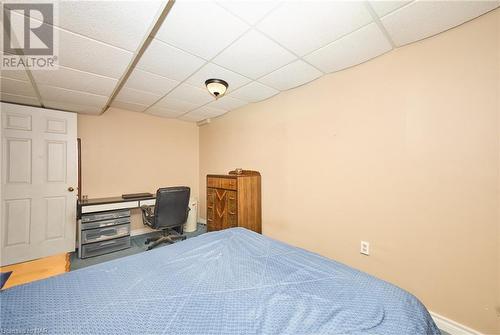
(229, 282)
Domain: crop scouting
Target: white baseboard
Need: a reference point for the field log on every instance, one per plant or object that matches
(202, 220)
(452, 327)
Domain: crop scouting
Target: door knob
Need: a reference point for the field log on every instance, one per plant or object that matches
(71, 189)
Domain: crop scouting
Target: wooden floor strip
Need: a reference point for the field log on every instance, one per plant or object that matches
(37, 269)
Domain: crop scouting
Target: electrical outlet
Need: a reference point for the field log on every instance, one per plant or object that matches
(365, 248)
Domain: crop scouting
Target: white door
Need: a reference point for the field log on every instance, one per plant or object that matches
(39, 178)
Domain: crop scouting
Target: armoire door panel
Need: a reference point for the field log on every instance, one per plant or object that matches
(232, 209)
(211, 209)
(220, 208)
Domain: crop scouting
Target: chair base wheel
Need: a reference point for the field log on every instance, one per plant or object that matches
(152, 242)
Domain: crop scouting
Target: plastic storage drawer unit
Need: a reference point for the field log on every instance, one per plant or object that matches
(105, 223)
(103, 232)
(107, 233)
(105, 215)
(104, 247)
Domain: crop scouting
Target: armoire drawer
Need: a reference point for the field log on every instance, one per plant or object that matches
(225, 183)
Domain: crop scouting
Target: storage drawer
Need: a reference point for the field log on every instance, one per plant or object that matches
(110, 207)
(225, 183)
(105, 223)
(107, 233)
(105, 247)
(105, 216)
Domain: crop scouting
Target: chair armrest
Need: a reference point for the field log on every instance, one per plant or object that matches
(147, 215)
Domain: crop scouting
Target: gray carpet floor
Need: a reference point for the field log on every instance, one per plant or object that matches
(137, 246)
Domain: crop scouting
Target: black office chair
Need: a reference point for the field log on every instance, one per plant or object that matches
(169, 215)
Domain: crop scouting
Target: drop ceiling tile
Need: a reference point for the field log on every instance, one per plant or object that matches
(19, 99)
(211, 70)
(422, 19)
(85, 54)
(17, 20)
(20, 74)
(358, 47)
(34, 14)
(254, 55)
(88, 55)
(138, 97)
(202, 113)
(382, 8)
(128, 106)
(177, 105)
(192, 117)
(164, 112)
(250, 11)
(208, 111)
(76, 80)
(83, 109)
(65, 96)
(291, 75)
(17, 87)
(120, 23)
(167, 61)
(227, 103)
(150, 82)
(304, 26)
(200, 27)
(254, 92)
(191, 94)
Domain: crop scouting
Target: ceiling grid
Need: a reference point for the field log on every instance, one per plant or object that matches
(154, 56)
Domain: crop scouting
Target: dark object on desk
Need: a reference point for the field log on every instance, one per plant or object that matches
(136, 195)
(170, 211)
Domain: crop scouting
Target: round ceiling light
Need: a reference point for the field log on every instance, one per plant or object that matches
(216, 87)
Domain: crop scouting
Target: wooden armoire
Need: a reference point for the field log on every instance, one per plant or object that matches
(234, 200)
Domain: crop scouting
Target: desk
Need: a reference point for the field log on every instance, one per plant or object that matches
(112, 203)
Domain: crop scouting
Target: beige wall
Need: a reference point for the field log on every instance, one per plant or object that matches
(403, 152)
(127, 152)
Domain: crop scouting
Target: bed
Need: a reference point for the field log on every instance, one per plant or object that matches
(228, 282)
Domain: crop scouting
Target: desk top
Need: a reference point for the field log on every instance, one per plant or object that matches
(110, 200)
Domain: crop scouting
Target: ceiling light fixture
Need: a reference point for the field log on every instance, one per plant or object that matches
(216, 87)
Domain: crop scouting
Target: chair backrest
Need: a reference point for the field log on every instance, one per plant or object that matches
(172, 206)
